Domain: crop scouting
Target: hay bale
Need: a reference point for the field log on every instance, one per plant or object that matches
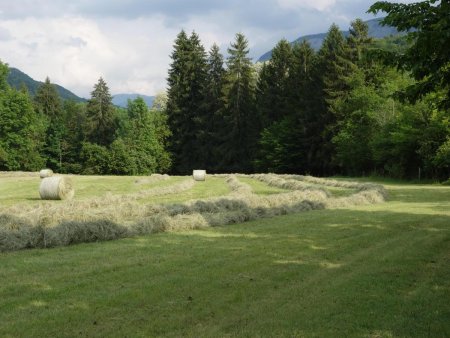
(45, 173)
(56, 188)
(199, 175)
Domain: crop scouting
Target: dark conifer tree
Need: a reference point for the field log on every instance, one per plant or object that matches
(185, 105)
(101, 115)
(242, 123)
(214, 106)
(335, 67)
(48, 103)
(273, 94)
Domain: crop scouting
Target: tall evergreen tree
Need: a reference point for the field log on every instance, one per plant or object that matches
(335, 67)
(75, 122)
(101, 115)
(185, 105)
(48, 103)
(214, 106)
(273, 91)
(286, 145)
(358, 40)
(242, 123)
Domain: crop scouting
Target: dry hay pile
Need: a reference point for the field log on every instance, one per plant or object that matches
(121, 216)
(152, 179)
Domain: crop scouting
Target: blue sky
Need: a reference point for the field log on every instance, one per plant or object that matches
(128, 42)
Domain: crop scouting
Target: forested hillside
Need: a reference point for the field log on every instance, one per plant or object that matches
(357, 106)
(375, 30)
(18, 79)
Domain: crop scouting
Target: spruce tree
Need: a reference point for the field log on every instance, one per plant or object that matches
(101, 115)
(48, 103)
(185, 105)
(214, 106)
(273, 91)
(335, 67)
(241, 120)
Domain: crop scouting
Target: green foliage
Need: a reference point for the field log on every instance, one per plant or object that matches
(273, 95)
(442, 158)
(75, 126)
(101, 115)
(241, 119)
(187, 117)
(96, 159)
(21, 129)
(48, 104)
(214, 133)
(427, 23)
(142, 147)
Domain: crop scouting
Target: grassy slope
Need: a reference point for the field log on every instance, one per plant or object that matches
(377, 271)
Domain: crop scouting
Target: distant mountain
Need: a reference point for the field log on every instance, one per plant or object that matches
(121, 100)
(316, 40)
(17, 78)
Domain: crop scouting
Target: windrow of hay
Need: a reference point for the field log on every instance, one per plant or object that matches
(152, 179)
(340, 184)
(59, 224)
(288, 184)
(56, 188)
(238, 187)
(18, 174)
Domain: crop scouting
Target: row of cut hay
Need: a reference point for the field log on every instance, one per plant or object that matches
(340, 184)
(236, 186)
(18, 174)
(135, 219)
(152, 179)
(117, 208)
(131, 218)
(288, 184)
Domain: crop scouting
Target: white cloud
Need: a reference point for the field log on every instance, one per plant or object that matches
(129, 43)
(74, 52)
(319, 5)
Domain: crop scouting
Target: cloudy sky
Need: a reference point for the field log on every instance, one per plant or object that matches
(128, 42)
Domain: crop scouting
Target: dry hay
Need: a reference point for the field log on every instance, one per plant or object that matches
(56, 188)
(45, 173)
(288, 184)
(55, 224)
(199, 175)
(152, 179)
(18, 174)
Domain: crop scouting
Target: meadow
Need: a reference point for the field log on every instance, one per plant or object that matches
(244, 256)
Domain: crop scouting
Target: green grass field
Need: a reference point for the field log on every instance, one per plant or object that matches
(378, 270)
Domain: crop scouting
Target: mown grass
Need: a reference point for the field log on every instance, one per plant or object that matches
(368, 271)
(260, 188)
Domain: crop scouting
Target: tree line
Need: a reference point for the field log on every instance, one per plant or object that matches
(357, 106)
(87, 138)
(334, 111)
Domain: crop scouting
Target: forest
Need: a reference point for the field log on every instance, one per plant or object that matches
(357, 106)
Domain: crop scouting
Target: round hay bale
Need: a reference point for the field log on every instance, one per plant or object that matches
(45, 173)
(199, 175)
(56, 188)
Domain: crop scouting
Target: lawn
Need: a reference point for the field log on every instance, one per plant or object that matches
(378, 270)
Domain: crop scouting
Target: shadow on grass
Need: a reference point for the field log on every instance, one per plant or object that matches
(420, 194)
(319, 273)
